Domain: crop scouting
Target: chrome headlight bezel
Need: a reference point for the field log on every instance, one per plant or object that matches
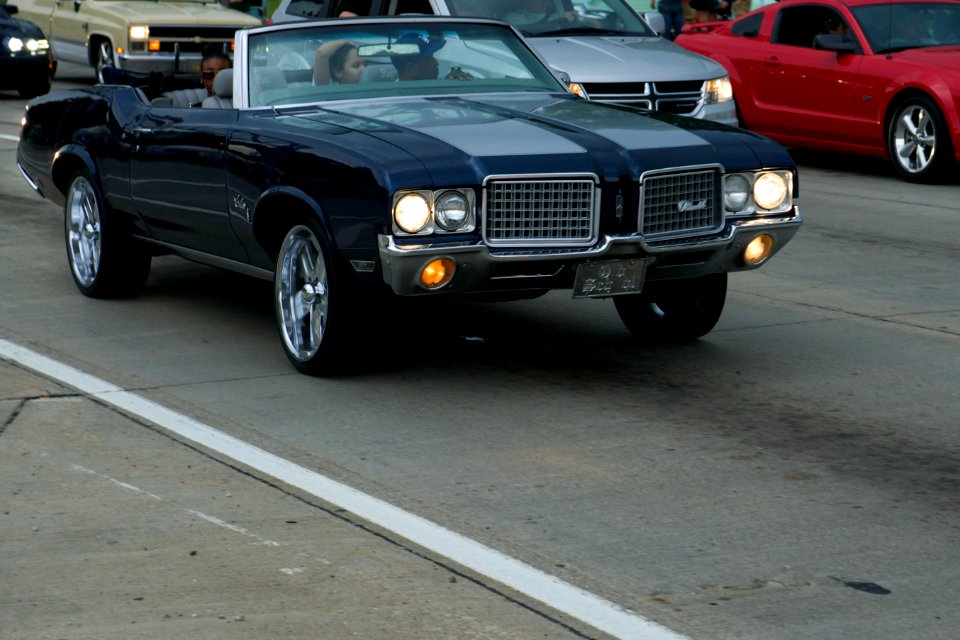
(432, 221)
(449, 215)
(770, 192)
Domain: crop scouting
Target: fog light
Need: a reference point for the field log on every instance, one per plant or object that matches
(758, 250)
(437, 273)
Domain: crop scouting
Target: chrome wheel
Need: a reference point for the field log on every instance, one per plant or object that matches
(915, 139)
(302, 294)
(83, 231)
(104, 60)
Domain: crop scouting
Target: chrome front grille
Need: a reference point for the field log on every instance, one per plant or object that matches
(681, 98)
(542, 211)
(680, 203)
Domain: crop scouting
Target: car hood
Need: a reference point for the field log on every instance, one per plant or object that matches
(20, 28)
(176, 13)
(542, 133)
(624, 59)
(928, 57)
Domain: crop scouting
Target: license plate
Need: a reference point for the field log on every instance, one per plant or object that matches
(602, 279)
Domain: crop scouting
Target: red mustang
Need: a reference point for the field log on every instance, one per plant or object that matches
(872, 77)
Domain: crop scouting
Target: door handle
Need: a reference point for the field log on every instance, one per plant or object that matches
(772, 61)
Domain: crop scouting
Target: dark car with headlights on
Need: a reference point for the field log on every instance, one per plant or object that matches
(432, 156)
(26, 59)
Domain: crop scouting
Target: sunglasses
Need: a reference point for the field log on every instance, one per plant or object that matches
(208, 75)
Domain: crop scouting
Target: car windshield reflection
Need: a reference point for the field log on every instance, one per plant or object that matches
(897, 27)
(363, 60)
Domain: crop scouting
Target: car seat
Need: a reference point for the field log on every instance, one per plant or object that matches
(180, 97)
(222, 97)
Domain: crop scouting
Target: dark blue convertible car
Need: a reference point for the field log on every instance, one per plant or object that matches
(352, 160)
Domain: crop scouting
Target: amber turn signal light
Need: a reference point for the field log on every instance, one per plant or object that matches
(758, 250)
(437, 273)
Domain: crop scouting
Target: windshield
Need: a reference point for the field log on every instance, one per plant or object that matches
(558, 17)
(896, 27)
(332, 62)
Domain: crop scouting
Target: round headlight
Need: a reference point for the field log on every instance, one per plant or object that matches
(736, 192)
(452, 210)
(770, 190)
(412, 213)
(15, 45)
(32, 45)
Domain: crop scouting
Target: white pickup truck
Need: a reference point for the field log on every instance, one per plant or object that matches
(135, 35)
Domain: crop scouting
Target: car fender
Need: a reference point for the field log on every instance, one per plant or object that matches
(937, 88)
(277, 208)
(69, 159)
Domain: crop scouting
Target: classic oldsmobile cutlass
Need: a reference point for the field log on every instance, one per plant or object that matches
(456, 164)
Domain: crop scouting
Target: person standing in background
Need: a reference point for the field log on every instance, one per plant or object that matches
(672, 12)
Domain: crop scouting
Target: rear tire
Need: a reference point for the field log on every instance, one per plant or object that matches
(105, 261)
(674, 310)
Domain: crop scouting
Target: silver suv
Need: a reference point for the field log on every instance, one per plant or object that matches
(606, 49)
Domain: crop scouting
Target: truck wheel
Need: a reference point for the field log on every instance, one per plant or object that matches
(104, 261)
(312, 310)
(104, 61)
(674, 310)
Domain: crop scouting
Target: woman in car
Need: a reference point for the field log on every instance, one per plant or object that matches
(337, 62)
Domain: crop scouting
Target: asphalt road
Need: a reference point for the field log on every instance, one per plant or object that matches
(795, 474)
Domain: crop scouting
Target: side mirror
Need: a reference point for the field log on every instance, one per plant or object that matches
(11, 8)
(655, 20)
(834, 42)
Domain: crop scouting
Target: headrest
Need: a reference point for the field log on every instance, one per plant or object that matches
(223, 83)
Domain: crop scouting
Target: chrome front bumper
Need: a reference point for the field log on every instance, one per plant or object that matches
(479, 269)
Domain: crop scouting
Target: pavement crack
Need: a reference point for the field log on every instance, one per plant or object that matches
(23, 402)
(13, 414)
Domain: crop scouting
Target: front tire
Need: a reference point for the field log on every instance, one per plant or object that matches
(104, 261)
(103, 63)
(674, 310)
(311, 308)
(918, 141)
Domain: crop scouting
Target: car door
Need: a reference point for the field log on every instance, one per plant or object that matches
(178, 177)
(69, 28)
(801, 91)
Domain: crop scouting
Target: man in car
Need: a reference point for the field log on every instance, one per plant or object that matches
(420, 65)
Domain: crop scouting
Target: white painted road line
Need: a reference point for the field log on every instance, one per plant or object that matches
(543, 587)
(7, 136)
